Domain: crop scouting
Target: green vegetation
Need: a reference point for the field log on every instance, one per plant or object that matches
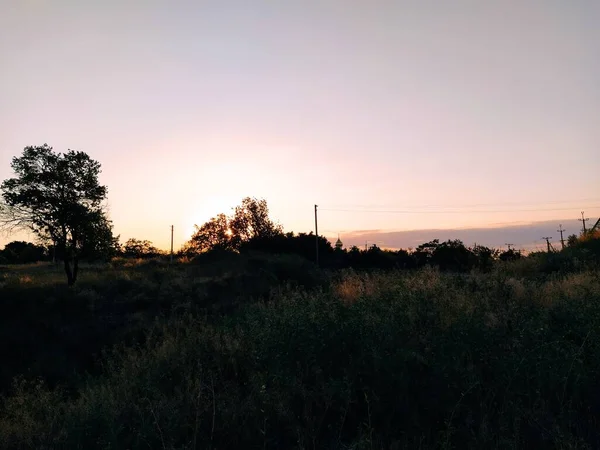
(57, 196)
(256, 351)
(244, 343)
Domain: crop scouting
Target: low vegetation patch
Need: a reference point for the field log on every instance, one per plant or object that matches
(276, 354)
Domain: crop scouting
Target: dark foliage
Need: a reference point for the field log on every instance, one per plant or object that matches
(58, 197)
(510, 255)
(272, 353)
(136, 248)
(19, 252)
(249, 222)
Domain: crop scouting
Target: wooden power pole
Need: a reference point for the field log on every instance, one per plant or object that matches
(172, 244)
(316, 237)
(547, 241)
(561, 231)
(584, 220)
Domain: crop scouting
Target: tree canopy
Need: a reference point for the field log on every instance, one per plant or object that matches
(21, 252)
(250, 221)
(59, 198)
(137, 248)
(214, 234)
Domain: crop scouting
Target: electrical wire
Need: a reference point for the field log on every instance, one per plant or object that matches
(528, 203)
(406, 211)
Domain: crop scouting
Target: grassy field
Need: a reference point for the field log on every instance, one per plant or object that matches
(270, 352)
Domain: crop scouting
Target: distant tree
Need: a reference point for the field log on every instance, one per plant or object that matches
(377, 258)
(135, 248)
(277, 243)
(424, 252)
(591, 235)
(303, 244)
(20, 252)
(453, 255)
(214, 234)
(58, 197)
(589, 245)
(404, 259)
(251, 220)
(248, 228)
(485, 256)
(374, 258)
(572, 240)
(510, 255)
(448, 255)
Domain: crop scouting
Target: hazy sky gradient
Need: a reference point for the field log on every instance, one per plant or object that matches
(192, 105)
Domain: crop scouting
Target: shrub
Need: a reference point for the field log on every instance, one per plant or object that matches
(425, 359)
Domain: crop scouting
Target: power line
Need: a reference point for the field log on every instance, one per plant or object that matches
(473, 205)
(407, 211)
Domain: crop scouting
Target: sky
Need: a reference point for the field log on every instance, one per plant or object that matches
(429, 115)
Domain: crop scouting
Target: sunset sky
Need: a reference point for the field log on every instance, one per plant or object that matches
(431, 114)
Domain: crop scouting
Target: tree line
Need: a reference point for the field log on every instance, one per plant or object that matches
(22, 252)
(58, 197)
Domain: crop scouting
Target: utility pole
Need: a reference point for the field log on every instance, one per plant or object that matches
(547, 241)
(508, 245)
(171, 244)
(316, 237)
(561, 231)
(584, 220)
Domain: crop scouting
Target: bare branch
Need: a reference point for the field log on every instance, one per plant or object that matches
(14, 219)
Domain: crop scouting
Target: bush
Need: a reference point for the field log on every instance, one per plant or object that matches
(399, 360)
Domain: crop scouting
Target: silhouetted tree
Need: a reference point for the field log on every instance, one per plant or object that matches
(448, 255)
(377, 258)
(214, 234)
(20, 252)
(58, 197)
(510, 255)
(136, 248)
(589, 245)
(249, 227)
(302, 244)
(251, 221)
(453, 255)
(572, 240)
(405, 260)
(100, 243)
(424, 252)
(485, 256)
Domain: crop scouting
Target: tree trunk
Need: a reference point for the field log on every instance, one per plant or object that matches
(75, 268)
(68, 271)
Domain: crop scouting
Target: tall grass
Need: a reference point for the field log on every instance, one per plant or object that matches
(399, 360)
